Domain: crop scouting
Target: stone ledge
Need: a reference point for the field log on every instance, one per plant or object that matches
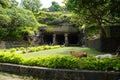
(58, 74)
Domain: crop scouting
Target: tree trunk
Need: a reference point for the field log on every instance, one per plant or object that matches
(103, 32)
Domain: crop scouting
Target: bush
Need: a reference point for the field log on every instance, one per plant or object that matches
(10, 58)
(32, 49)
(21, 48)
(53, 62)
(64, 62)
(96, 64)
(24, 51)
(39, 48)
(12, 50)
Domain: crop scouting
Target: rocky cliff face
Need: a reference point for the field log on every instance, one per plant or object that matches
(55, 19)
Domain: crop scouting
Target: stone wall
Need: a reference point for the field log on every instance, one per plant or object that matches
(12, 44)
(2, 44)
(110, 44)
(96, 44)
(58, 74)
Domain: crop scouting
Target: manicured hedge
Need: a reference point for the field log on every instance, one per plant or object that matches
(96, 64)
(53, 62)
(64, 62)
(10, 57)
(32, 49)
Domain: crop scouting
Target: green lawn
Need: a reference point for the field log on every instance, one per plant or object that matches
(61, 51)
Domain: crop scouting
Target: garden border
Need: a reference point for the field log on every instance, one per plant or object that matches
(58, 74)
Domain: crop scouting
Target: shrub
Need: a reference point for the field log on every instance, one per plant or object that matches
(33, 49)
(53, 62)
(30, 61)
(96, 64)
(10, 58)
(64, 62)
(117, 67)
(24, 51)
(4, 50)
(17, 49)
(12, 50)
(58, 62)
(21, 48)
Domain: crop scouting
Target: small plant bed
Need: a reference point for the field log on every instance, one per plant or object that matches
(63, 62)
(30, 49)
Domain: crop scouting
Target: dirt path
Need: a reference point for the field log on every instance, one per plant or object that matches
(6, 76)
(3, 77)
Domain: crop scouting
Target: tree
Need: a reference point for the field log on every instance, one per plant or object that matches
(14, 3)
(55, 7)
(115, 8)
(4, 19)
(33, 5)
(97, 12)
(14, 21)
(21, 20)
(4, 3)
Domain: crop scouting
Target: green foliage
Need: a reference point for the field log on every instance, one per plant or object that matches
(115, 8)
(53, 62)
(12, 50)
(39, 48)
(24, 51)
(22, 17)
(14, 21)
(92, 33)
(96, 12)
(55, 7)
(4, 19)
(55, 20)
(95, 64)
(13, 2)
(87, 8)
(5, 3)
(63, 62)
(47, 17)
(10, 58)
(21, 48)
(31, 49)
(33, 5)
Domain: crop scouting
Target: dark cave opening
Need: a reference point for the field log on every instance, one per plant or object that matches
(48, 39)
(73, 38)
(60, 39)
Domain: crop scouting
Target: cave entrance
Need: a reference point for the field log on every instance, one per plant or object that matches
(48, 39)
(60, 39)
(73, 38)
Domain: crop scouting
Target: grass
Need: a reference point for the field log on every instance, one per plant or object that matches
(62, 51)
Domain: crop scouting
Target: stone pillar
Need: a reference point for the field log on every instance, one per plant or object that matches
(66, 39)
(54, 39)
(2, 44)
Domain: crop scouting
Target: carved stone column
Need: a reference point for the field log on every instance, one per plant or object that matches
(54, 39)
(66, 39)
